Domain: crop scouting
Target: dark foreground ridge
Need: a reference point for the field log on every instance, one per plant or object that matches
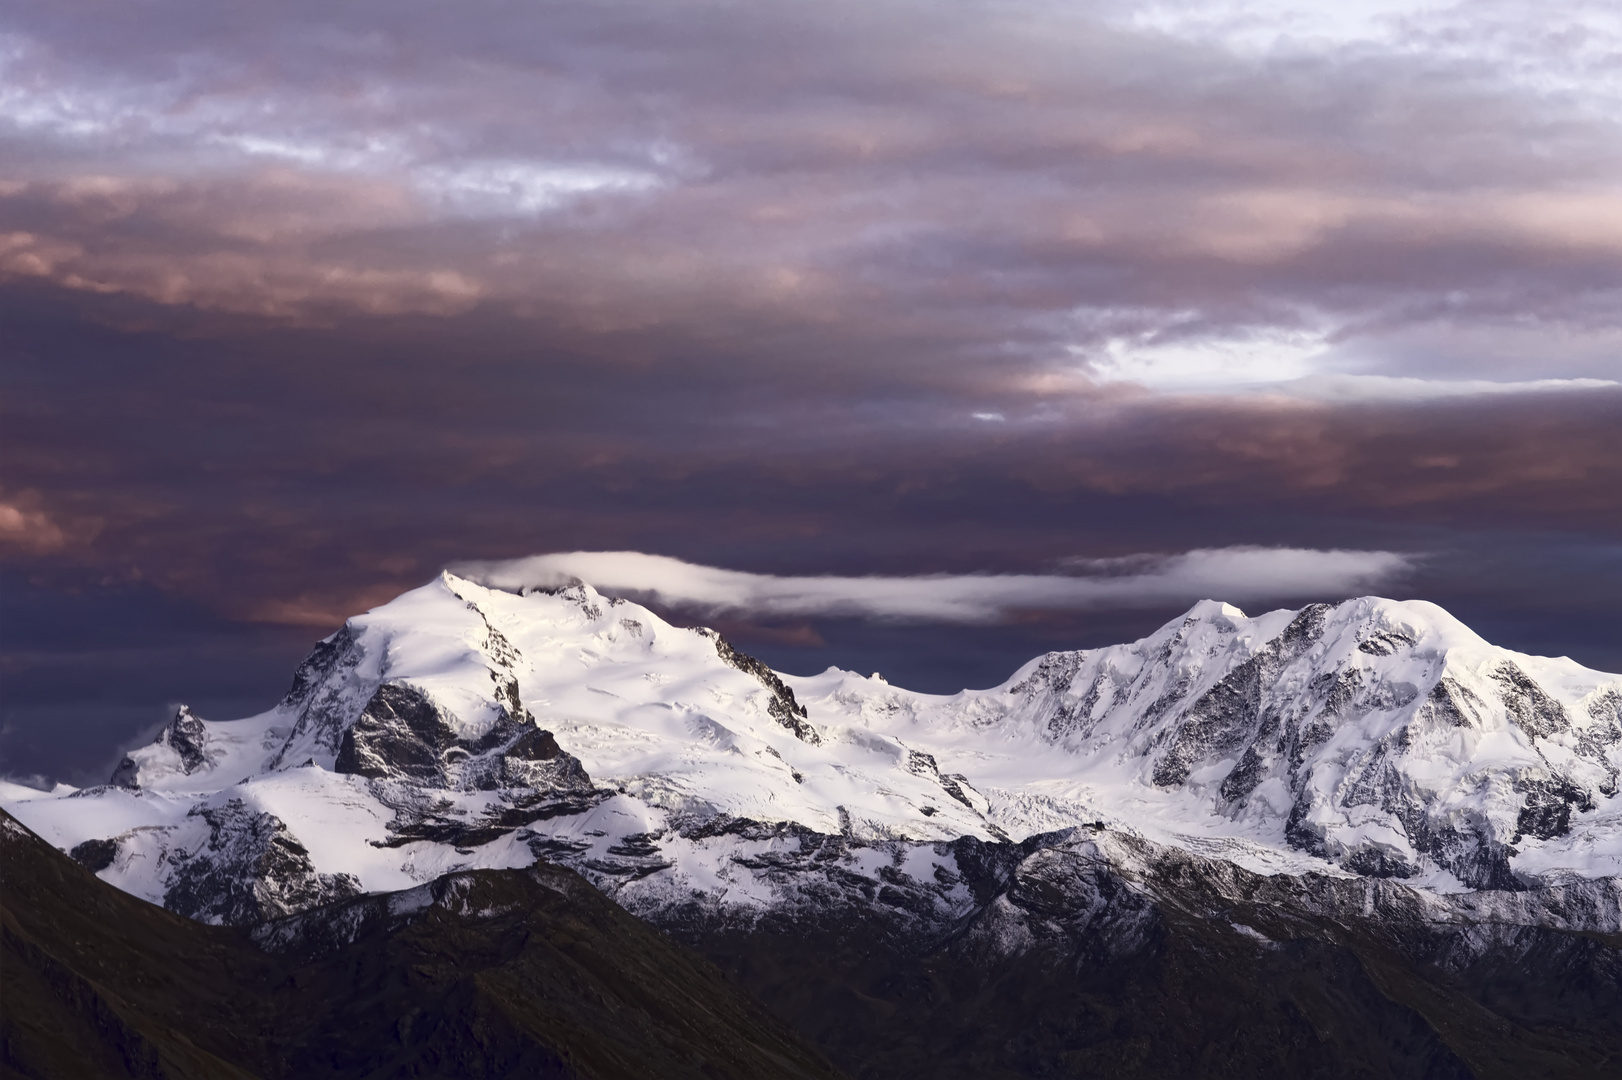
(1153, 962)
(485, 974)
(1150, 963)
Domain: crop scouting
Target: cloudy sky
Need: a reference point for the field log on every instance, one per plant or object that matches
(1076, 312)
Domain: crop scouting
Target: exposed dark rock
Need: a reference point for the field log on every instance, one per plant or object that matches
(1244, 777)
(1270, 735)
(1300, 832)
(1229, 718)
(1467, 846)
(535, 760)
(321, 692)
(1049, 689)
(952, 784)
(1386, 642)
(575, 594)
(1453, 705)
(1546, 813)
(422, 819)
(551, 848)
(126, 774)
(1221, 721)
(1532, 710)
(504, 658)
(403, 735)
(400, 733)
(185, 734)
(323, 660)
(1605, 712)
(250, 869)
(95, 855)
(782, 706)
(1053, 674)
(1371, 861)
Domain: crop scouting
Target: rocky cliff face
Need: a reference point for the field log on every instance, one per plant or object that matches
(179, 747)
(249, 869)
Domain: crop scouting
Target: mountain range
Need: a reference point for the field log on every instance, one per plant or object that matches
(1350, 839)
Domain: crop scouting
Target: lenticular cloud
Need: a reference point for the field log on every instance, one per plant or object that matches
(1235, 573)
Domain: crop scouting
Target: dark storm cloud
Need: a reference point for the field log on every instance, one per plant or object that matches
(297, 473)
(303, 302)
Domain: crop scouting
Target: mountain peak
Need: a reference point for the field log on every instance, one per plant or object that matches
(1213, 609)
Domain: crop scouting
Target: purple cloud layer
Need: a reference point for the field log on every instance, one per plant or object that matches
(1032, 195)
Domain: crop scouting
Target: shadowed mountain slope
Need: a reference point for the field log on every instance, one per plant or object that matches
(1095, 956)
(484, 974)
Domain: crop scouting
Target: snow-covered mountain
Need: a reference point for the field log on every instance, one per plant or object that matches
(461, 727)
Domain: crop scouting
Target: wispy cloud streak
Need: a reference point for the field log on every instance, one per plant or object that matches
(1236, 573)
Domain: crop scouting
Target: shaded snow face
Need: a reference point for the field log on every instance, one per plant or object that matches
(460, 727)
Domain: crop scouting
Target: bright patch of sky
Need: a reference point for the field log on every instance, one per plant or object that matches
(175, 119)
(31, 102)
(1262, 25)
(370, 154)
(1562, 46)
(1295, 364)
(1262, 358)
(1391, 388)
(524, 187)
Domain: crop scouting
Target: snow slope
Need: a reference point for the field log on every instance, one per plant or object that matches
(460, 727)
